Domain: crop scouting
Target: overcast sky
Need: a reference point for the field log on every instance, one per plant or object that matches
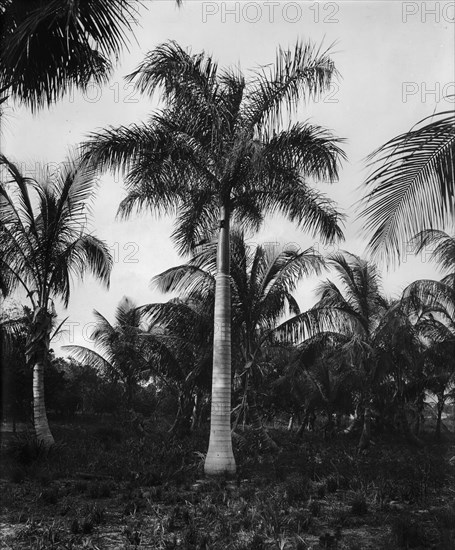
(396, 61)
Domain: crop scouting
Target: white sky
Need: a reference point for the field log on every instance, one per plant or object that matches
(396, 61)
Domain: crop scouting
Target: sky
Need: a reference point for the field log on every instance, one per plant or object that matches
(396, 65)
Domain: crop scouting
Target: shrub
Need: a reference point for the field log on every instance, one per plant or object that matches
(314, 508)
(332, 484)
(359, 506)
(50, 496)
(25, 449)
(445, 517)
(17, 474)
(296, 489)
(99, 490)
(407, 533)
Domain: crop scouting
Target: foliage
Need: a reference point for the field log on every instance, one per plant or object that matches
(412, 186)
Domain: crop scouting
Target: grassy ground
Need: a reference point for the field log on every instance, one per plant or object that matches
(108, 486)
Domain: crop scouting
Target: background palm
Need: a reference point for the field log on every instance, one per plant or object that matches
(181, 332)
(123, 350)
(216, 153)
(353, 314)
(44, 244)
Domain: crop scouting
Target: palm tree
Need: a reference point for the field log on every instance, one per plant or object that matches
(181, 332)
(216, 153)
(412, 185)
(262, 281)
(51, 46)
(44, 244)
(354, 315)
(123, 351)
(320, 377)
(432, 305)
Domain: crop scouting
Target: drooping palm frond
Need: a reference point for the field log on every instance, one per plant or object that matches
(437, 246)
(185, 280)
(50, 47)
(310, 209)
(412, 186)
(425, 296)
(354, 307)
(88, 357)
(311, 150)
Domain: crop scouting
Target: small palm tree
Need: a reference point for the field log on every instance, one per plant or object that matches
(51, 46)
(432, 305)
(44, 244)
(217, 153)
(181, 333)
(123, 351)
(412, 186)
(327, 381)
(354, 315)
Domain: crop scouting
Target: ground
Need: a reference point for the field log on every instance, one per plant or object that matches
(114, 485)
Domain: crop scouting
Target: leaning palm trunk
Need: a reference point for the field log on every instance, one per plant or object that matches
(220, 458)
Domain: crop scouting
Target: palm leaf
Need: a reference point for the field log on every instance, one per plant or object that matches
(413, 187)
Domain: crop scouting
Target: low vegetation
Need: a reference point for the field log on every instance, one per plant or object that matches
(107, 485)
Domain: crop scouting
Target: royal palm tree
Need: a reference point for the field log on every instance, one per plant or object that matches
(123, 349)
(50, 46)
(412, 186)
(262, 281)
(44, 244)
(218, 152)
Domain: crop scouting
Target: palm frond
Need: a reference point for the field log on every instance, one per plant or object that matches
(302, 73)
(413, 186)
(48, 49)
(437, 246)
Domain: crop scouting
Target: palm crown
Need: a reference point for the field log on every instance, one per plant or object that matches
(214, 145)
(43, 232)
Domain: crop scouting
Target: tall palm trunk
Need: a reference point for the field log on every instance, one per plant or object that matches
(37, 354)
(220, 458)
